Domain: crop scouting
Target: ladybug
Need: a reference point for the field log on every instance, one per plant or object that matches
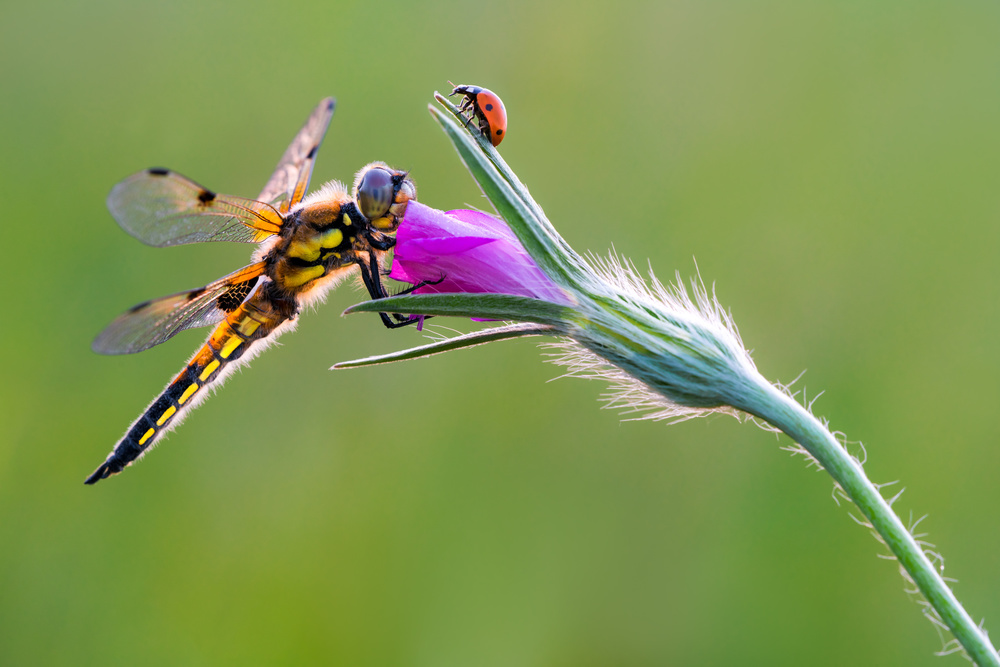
(487, 108)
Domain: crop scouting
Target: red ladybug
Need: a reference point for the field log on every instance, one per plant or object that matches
(487, 108)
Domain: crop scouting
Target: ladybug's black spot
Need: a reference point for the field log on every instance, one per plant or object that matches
(489, 107)
(499, 132)
(158, 171)
(206, 196)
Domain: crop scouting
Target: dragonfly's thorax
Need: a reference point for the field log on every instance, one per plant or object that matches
(316, 239)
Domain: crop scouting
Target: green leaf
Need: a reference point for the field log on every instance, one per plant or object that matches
(468, 340)
(486, 306)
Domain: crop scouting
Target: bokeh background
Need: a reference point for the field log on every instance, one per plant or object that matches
(831, 166)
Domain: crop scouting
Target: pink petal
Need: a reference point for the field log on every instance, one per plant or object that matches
(466, 251)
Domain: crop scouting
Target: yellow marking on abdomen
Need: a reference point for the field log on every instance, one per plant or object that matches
(188, 393)
(146, 436)
(209, 370)
(230, 346)
(167, 414)
(248, 325)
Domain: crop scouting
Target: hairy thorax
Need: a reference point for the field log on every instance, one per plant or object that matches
(319, 242)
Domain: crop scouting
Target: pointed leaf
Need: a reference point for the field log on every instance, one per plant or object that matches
(468, 340)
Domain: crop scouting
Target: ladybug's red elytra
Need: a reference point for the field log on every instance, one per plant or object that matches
(487, 108)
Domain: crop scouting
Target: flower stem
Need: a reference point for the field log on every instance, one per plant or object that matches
(798, 423)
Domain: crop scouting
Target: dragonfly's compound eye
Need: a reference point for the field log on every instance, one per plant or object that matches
(375, 193)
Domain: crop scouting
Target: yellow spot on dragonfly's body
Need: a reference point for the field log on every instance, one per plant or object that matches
(299, 277)
(209, 370)
(146, 436)
(167, 414)
(333, 237)
(230, 346)
(310, 248)
(307, 251)
(248, 325)
(188, 393)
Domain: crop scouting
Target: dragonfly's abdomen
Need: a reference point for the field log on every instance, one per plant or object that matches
(242, 330)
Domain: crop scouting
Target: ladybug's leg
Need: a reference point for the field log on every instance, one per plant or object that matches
(481, 122)
(467, 109)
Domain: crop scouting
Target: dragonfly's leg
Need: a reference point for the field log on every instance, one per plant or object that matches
(373, 282)
(402, 320)
(380, 242)
(422, 283)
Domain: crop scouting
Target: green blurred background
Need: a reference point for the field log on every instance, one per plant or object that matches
(831, 166)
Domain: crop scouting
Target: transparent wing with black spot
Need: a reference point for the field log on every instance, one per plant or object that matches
(162, 208)
(153, 322)
(290, 180)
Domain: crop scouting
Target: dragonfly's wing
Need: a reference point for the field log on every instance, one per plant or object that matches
(162, 208)
(153, 322)
(290, 179)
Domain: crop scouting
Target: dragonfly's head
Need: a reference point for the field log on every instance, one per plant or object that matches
(382, 194)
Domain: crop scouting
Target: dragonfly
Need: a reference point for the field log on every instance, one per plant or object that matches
(306, 246)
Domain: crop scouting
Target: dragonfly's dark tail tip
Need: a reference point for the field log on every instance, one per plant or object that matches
(98, 475)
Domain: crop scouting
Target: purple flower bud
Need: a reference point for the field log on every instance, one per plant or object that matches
(468, 251)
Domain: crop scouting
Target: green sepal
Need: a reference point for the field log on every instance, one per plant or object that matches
(458, 342)
(484, 306)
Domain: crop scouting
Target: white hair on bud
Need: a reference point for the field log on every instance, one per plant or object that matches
(694, 320)
(625, 393)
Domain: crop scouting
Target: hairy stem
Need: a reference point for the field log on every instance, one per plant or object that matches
(798, 423)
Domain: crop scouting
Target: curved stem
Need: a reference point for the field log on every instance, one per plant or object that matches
(780, 410)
